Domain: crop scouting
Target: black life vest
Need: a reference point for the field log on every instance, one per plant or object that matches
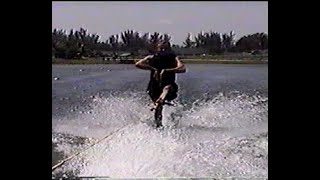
(164, 60)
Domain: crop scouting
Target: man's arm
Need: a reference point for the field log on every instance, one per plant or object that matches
(144, 64)
(181, 68)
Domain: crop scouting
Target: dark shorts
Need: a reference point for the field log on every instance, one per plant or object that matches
(155, 91)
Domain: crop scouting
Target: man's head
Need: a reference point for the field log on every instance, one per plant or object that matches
(164, 46)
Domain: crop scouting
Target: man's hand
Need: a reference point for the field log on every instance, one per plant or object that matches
(181, 68)
(144, 64)
(162, 72)
(156, 75)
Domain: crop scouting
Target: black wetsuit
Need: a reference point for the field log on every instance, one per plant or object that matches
(163, 60)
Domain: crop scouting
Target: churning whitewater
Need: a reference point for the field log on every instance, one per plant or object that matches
(222, 136)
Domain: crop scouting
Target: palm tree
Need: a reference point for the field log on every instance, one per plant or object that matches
(257, 41)
(155, 38)
(228, 41)
(188, 42)
(114, 42)
(166, 38)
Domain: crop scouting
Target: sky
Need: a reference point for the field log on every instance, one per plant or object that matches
(174, 18)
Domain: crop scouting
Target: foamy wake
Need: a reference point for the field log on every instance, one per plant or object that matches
(226, 136)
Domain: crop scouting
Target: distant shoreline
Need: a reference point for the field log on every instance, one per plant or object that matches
(187, 61)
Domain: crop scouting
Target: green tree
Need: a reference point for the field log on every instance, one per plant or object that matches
(228, 41)
(188, 43)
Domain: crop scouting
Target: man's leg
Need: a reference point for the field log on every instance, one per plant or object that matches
(163, 95)
(159, 105)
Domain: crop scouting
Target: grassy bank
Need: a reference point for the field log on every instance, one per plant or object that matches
(211, 61)
(77, 61)
(187, 61)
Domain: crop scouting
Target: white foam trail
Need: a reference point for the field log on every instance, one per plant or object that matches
(104, 116)
(224, 137)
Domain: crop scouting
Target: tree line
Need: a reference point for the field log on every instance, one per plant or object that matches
(81, 43)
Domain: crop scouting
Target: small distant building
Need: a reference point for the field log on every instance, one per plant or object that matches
(126, 58)
(195, 51)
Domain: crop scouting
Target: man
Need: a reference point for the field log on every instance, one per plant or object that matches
(163, 65)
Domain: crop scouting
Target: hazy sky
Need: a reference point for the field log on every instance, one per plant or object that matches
(175, 18)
